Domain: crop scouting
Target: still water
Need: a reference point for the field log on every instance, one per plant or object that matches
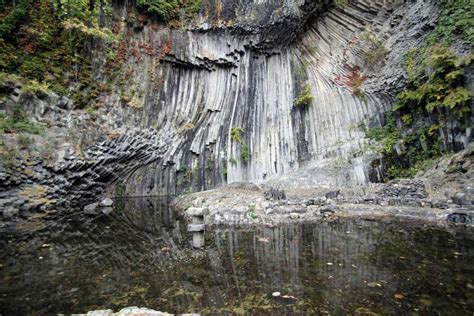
(140, 255)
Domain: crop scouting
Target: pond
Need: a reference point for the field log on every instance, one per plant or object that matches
(140, 255)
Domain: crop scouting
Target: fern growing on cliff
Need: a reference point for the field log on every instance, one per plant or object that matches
(305, 97)
(236, 134)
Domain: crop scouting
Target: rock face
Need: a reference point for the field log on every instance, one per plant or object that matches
(218, 80)
(213, 103)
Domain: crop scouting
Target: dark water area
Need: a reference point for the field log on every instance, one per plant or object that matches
(140, 255)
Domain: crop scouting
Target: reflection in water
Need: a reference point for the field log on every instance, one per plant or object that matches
(140, 255)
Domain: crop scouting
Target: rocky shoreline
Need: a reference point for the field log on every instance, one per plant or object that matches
(250, 204)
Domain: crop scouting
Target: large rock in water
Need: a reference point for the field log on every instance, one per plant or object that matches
(128, 311)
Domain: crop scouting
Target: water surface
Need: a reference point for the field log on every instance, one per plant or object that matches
(140, 255)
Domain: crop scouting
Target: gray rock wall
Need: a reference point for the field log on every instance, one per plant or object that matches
(242, 68)
(223, 78)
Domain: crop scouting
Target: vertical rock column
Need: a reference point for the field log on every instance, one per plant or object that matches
(197, 227)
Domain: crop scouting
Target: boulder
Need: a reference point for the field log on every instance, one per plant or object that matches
(460, 198)
(105, 312)
(107, 210)
(63, 103)
(139, 311)
(197, 211)
(275, 194)
(91, 209)
(332, 194)
(460, 217)
(106, 202)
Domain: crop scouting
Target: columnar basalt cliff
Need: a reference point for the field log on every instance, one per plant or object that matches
(245, 79)
(214, 102)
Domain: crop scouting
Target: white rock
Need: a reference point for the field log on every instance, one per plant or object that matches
(197, 211)
(106, 202)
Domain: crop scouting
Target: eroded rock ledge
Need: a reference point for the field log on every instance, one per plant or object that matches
(444, 192)
(235, 205)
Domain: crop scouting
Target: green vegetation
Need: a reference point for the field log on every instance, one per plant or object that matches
(251, 211)
(47, 44)
(24, 142)
(341, 3)
(305, 98)
(376, 51)
(410, 140)
(245, 154)
(440, 89)
(433, 97)
(456, 21)
(8, 155)
(211, 164)
(29, 87)
(225, 170)
(236, 134)
(232, 161)
(18, 123)
(120, 189)
(168, 10)
(50, 45)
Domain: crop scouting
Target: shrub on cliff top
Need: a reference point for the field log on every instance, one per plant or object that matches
(168, 10)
